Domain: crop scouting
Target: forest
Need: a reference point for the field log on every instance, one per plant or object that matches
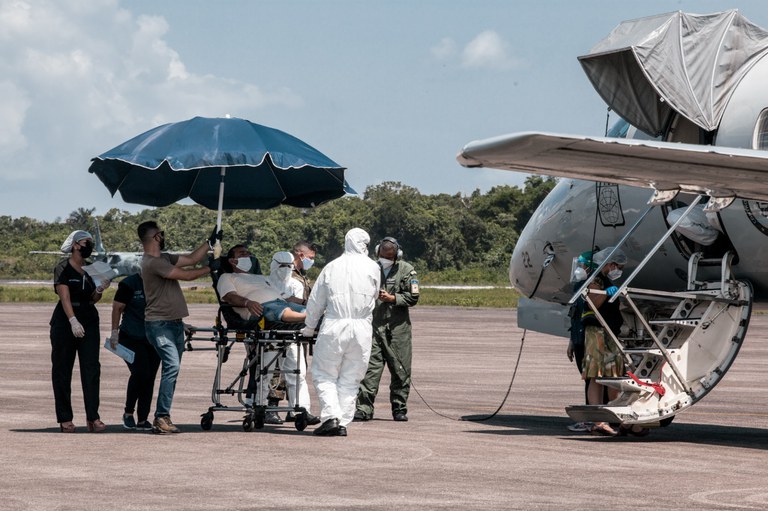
(450, 239)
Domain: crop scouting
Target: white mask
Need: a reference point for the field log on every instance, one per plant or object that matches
(579, 274)
(614, 274)
(244, 263)
(307, 263)
(385, 263)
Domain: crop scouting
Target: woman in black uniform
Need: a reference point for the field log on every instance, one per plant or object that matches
(75, 331)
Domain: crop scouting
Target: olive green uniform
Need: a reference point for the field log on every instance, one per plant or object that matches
(391, 341)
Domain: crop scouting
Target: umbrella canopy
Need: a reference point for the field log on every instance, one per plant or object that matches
(217, 162)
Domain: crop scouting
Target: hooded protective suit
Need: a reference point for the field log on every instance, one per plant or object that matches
(345, 292)
(280, 270)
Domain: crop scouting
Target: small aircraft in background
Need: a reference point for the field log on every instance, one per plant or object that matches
(122, 263)
(690, 91)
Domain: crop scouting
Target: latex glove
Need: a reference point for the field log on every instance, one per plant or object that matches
(308, 331)
(77, 328)
(114, 339)
(612, 290)
(214, 237)
(103, 286)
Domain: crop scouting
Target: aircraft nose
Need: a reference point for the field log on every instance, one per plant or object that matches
(530, 261)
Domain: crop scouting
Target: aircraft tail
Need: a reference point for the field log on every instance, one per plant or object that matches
(98, 246)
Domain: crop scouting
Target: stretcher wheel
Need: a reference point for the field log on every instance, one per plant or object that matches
(247, 424)
(301, 422)
(206, 421)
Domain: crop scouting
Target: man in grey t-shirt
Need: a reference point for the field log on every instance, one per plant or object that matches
(166, 308)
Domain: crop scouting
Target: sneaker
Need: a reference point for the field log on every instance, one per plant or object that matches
(272, 418)
(163, 425)
(144, 425)
(128, 422)
(580, 427)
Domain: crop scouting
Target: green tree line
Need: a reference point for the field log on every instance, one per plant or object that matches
(454, 239)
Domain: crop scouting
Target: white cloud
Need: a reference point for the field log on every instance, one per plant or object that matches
(81, 76)
(445, 49)
(488, 50)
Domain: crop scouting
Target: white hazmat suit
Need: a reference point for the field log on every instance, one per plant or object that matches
(280, 269)
(345, 292)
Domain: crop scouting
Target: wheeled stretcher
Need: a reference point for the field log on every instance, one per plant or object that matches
(256, 342)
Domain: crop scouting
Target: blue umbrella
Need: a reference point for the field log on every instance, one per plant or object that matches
(221, 163)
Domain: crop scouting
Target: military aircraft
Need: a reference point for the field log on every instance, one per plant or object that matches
(122, 263)
(690, 90)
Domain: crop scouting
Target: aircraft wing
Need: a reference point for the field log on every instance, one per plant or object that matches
(718, 171)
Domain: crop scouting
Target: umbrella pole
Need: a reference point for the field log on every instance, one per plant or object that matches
(217, 247)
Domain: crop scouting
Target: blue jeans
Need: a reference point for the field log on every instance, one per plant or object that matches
(273, 309)
(167, 337)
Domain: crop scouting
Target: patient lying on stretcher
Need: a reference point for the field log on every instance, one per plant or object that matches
(253, 296)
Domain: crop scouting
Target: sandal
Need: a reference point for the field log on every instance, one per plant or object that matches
(67, 427)
(604, 429)
(96, 426)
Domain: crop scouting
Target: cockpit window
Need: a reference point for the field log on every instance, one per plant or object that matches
(619, 129)
(760, 139)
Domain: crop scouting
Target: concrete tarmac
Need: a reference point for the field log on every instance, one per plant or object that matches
(713, 456)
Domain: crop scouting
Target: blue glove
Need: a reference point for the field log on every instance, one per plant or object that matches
(612, 290)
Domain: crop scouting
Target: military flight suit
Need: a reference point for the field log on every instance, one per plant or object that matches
(391, 341)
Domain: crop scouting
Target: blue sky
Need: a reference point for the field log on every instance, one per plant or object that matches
(392, 90)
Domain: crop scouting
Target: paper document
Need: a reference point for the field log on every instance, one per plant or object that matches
(100, 271)
(121, 351)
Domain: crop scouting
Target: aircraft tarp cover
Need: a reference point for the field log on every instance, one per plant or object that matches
(689, 63)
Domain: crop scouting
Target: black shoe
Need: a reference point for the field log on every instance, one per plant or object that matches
(272, 418)
(361, 417)
(128, 421)
(312, 420)
(400, 417)
(290, 417)
(342, 431)
(328, 428)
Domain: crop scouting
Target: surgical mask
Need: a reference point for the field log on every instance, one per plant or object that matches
(614, 274)
(307, 263)
(162, 243)
(385, 263)
(244, 263)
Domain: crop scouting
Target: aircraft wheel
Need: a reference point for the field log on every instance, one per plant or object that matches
(247, 424)
(301, 422)
(206, 421)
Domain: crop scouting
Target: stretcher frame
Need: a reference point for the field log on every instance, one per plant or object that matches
(256, 342)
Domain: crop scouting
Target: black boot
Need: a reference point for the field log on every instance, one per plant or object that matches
(328, 428)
